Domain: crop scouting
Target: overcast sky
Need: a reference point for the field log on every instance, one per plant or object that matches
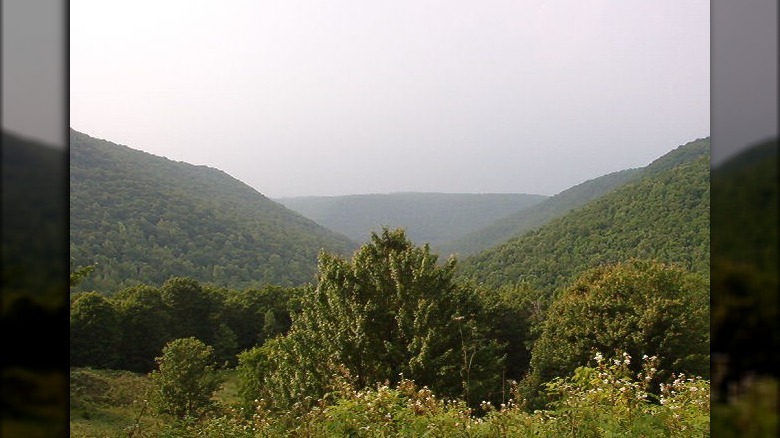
(353, 96)
(447, 96)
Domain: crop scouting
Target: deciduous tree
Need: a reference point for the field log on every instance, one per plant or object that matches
(185, 379)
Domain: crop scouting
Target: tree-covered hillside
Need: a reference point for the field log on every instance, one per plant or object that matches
(144, 218)
(663, 215)
(535, 216)
(434, 218)
(556, 206)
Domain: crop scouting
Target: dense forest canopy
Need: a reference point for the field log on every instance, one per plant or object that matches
(557, 206)
(663, 215)
(142, 219)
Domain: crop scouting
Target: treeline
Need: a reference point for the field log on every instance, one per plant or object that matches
(394, 314)
(128, 330)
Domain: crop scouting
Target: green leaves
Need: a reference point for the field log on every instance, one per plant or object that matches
(94, 331)
(389, 312)
(640, 307)
(145, 218)
(185, 379)
(663, 215)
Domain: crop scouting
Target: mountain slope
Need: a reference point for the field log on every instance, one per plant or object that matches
(537, 215)
(144, 218)
(435, 218)
(569, 199)
(662, 215)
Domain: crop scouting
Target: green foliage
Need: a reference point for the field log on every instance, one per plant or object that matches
(570, 199)
(514, 314)
(613, 400)
(225, 345)
(111, 403)
(255, 315)
(144, 219)
(390, 312)
(138, 321)
(605, 400)
(189, 307)
(80, 274)
(535, 216)
(664, 216)
(145, 327)
(185, 379)
(94, 331)
(640, 307)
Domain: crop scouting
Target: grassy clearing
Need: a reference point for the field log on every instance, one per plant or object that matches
(107, 403)
(110, 403)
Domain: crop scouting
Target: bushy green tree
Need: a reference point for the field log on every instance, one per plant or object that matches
(145, 327)
(94, 331)
(639, 307)
(190, 308)
(514, 314)
(255, 315)
(185, 379)
(391, 312)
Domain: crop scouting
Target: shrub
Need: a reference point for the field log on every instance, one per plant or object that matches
(185, 379)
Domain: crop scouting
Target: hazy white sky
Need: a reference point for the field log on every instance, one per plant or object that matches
(315, 97)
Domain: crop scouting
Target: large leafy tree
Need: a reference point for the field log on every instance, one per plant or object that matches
(640, 307)
(391, 311)
(185, 379)
(190, 308)
(94, 331)
(145, 327)
(255, 315)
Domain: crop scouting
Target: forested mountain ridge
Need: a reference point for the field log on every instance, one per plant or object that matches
(537, 215)
(663, 215)
(144, 218)
(556, 206)
(434, 218)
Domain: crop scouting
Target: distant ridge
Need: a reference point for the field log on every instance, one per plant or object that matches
(537, 215)
(433, 218)
(144, 218)
(556, 206)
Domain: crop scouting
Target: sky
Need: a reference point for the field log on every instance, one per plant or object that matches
(329, 98)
